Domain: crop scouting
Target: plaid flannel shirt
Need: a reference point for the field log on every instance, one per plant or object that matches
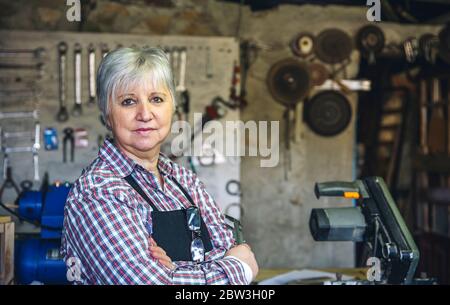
(105, 223)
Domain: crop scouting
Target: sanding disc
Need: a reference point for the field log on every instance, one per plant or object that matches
(333, 46)
(288, 81)
(327, 113)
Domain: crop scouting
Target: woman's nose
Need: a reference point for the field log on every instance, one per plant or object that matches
(144, 112)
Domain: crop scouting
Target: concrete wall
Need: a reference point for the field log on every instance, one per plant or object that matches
(276, 211)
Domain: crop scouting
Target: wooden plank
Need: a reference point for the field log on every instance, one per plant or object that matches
(6, 253)
(5, 219)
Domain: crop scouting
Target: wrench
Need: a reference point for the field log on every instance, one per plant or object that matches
(62, 115)
(91, 64)
(184, 95)
(182, 67)
(77, 108)
(24, 93)
(19, 115)
(105, 49)
(37, 53)
(36, 147)
(167, 51)
(175, 63)
(38, 66)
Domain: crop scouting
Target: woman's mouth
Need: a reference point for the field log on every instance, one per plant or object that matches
(143, 131)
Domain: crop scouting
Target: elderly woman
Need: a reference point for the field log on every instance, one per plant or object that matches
(131, 191)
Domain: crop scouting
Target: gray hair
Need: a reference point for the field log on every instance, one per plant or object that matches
(124, 67)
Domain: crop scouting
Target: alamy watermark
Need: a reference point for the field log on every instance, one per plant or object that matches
(374, 11)
(374, 272)
(74, 11)
(73, 273)
(228, 139)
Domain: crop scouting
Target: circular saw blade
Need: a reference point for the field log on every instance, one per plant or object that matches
(333, 46)
(288, 81)
(328, 113)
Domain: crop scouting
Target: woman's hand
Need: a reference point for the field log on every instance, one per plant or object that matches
(244, 253)
(159, 254)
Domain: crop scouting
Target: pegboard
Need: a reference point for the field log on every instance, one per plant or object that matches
(209, 69)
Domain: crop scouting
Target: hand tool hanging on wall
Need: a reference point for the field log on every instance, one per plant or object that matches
(62, 115)
(411, 49)
(167, 51)
(181, 88)
(37, 66)
(77, 107)
(68, 138)
(248, 56)
(174, 61)
(91, 75)
(436, 129)
(34, 149)
(327, 113)
(289, 83)
(19, 115)
(34, 53)
(8, 183)
(429, 47)
(104, 49)
(370, 42)
(303, 44)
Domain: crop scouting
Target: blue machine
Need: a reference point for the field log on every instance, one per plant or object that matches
(38, 259)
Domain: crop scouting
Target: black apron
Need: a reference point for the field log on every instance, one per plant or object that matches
(170, 229)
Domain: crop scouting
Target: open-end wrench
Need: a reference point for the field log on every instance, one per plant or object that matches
(62, 115)
(174, 58)
(19, 115)
(13, 67)
(37, 53)
(77, 108)
(105, 49)
(167, 51)
(91, 76)
(36, 147)
(23, 93)
(184, 94)
(182, 70)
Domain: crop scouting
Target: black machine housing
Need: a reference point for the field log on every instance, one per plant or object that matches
(375, 221)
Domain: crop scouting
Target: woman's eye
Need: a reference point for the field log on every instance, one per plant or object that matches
(157, 99)
(128, 102)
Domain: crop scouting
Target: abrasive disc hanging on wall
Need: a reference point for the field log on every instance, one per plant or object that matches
(333, 46)
(288, 81)
(327, 113)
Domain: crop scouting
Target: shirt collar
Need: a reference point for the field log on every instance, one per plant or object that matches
(122, 165)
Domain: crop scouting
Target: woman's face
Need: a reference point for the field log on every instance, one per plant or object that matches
(140, 118)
